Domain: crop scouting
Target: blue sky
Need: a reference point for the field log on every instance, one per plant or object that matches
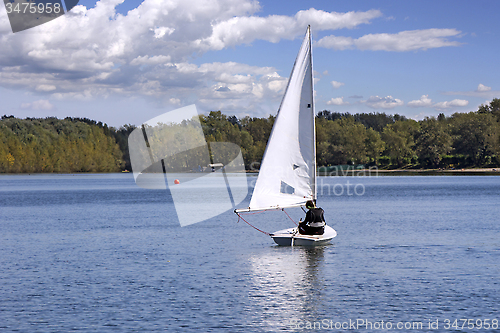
(128, 61)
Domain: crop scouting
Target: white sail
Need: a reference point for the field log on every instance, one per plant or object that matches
(287, 175)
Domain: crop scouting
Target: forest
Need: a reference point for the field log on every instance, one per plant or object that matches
(461, 140)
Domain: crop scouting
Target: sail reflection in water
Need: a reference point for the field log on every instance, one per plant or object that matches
(287, 285)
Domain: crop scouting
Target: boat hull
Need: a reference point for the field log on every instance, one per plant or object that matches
(290, 237)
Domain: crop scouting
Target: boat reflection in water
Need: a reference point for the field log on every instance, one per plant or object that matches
(287, 285)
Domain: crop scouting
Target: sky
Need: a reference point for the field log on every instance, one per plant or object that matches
(125, 62)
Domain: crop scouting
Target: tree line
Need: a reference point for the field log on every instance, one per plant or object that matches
(388, 141)
(35, 145)
(377, 139)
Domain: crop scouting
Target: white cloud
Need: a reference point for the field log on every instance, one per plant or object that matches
(408, 40)
(149, 51)
(97, 52)
(337, 84)
(388, 102)
(424, 101)
(481, 91)
(42, 104)
(238, 78)
(420, 116)
(45, 87)
(246, 29)
(450, 104)
(337, 101)
(482, 87)
(162, 31)
(147, 60)
(338, 43)
(403, 41)
(174, 101)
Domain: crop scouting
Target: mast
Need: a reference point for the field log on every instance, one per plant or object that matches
(314, 165)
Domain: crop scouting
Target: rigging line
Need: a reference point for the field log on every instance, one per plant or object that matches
(239, 217)
(289, 216)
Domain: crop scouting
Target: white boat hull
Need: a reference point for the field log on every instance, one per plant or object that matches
(291, 237)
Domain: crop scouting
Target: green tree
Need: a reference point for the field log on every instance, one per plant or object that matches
(475, 135)
(432, 142)
(340, 142)
(493, 108)
(259, 130)
(399, 141)
(324, 151)
(374, 146)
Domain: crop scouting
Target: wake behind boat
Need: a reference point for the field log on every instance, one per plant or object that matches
(287, 177)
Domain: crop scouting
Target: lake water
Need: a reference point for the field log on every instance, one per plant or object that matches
(94, 252)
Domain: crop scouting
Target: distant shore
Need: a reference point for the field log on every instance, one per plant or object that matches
(351, 172)
(417, 172)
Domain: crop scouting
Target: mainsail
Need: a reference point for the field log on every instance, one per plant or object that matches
(287, 176)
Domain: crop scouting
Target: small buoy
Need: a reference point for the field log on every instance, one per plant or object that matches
(177, 181)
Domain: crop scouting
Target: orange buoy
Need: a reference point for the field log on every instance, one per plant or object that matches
(177, 181)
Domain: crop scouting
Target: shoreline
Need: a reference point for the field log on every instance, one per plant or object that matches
(339, 173)
(415, 172)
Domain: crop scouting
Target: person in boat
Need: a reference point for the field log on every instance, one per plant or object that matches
(314, 223)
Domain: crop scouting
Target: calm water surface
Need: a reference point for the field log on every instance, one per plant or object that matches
(96, 253)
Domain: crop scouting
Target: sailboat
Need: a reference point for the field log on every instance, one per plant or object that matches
(287, 176)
